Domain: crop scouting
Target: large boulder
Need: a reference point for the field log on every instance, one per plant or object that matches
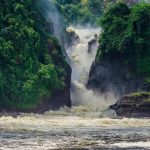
(133, 105)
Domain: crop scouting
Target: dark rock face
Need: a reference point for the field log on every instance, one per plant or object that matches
(71, 37)
(92, 43)
(113, 75)
(58, 100)
(134, 105)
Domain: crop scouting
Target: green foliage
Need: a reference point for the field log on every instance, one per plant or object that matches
(126, 33)
(81, 11)
(28, 71)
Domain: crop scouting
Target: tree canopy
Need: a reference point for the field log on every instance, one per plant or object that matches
(28, 71)
(126, 32)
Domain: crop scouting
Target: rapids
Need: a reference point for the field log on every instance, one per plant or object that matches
(64, 130)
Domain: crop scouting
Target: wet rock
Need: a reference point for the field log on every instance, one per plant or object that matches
(133, 105)
(71, 37)
(108, 113)
(113, 76)
(92, 43)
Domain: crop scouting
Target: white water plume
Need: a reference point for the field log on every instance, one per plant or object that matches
(82, 54)
(52, 15)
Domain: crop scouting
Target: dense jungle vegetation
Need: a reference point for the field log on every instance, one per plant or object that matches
(28, 70)
(32, 66)
(126, 33)
(81, 11)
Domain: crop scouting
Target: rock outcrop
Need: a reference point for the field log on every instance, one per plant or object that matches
(111, 75)
(71, 37)
(133, 105)
(92, 44)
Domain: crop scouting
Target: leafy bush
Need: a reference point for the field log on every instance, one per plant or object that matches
(28, 71)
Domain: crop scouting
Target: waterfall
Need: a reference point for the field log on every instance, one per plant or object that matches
(82, 53)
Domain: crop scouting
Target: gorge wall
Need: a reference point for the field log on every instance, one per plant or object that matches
(122, 61)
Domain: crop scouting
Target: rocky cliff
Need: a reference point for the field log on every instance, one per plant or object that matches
(122, 62)
(112, 75)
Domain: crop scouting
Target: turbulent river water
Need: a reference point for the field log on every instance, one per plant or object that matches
(87, 125)
(73, 129)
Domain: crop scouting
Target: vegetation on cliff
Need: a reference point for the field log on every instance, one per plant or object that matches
(31, 62)
(126, 34)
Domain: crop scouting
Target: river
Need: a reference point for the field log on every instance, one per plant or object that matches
(73, 129)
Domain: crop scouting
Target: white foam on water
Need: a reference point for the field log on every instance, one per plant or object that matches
(133, 144)
(57, 119)
(57, 130)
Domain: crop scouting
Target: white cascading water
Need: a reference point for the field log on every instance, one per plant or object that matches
(81, 61)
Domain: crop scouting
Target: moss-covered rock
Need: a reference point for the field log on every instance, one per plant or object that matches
(133, 105)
